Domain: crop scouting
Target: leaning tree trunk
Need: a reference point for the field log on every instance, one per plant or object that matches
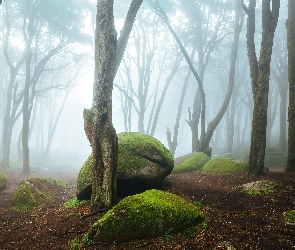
(259, 73)
(204, 143)
(104, 138)
(291, 76)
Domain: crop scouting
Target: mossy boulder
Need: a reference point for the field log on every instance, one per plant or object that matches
(143, 163)
(3, 181)
(225, 165)
(145, 215)
(33, 192)
(194, 162)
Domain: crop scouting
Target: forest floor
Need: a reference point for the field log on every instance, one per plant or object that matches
(234, 220)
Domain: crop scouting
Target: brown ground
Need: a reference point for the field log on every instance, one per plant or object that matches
(243, 221)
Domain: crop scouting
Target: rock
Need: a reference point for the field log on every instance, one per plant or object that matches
(143, 163)
(261, 185)
(192, 162)
(3, 181)
(33, 192)
(225, 165)
(145, 215)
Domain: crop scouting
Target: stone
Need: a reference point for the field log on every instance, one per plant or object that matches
(143, 163)
(145, 215)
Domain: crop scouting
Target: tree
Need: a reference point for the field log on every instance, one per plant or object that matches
(259, 73)
(103, 135)
(291, 76)
(45, 30)
(206, 43)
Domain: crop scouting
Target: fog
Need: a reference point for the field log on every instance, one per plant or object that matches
(153, 67)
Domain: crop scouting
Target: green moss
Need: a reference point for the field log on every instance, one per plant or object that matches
(3, 181)
(225, 165)
(32, 192)
(289, 217)
(133, 146)
(57, 182)
(85, 174)
(196, 161)
(148, 214)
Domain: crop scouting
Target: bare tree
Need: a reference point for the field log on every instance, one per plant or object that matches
(259, 72)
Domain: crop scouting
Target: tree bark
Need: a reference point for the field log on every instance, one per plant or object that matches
(291, 76)
(259, 73)
(104, 139)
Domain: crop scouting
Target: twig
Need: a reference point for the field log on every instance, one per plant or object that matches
(93, 213)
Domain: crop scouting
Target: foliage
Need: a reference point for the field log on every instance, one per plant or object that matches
(196, 161)
(75, 244)
(74, 202)
(225, 165)
(3, 180)
(148, 214)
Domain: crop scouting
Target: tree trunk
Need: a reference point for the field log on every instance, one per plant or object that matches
(204, 144)
(291, 76)
(26, 111)
(259, 73)
(104, 139)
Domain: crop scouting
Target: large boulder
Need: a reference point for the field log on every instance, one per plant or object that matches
(143, 163)
(145, 215)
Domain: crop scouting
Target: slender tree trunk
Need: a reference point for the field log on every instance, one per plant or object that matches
(291, 76)
(283, 124)
(53, 128)
(26, 112)
(259, 73)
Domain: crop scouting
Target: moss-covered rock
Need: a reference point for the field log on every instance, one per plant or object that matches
(196, 161)
(145, 215)
(3, 181)
(84, 182)
(225, 165)
(35, 191)
(143, 163)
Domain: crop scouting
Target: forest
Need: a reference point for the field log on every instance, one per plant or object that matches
(146, 124)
